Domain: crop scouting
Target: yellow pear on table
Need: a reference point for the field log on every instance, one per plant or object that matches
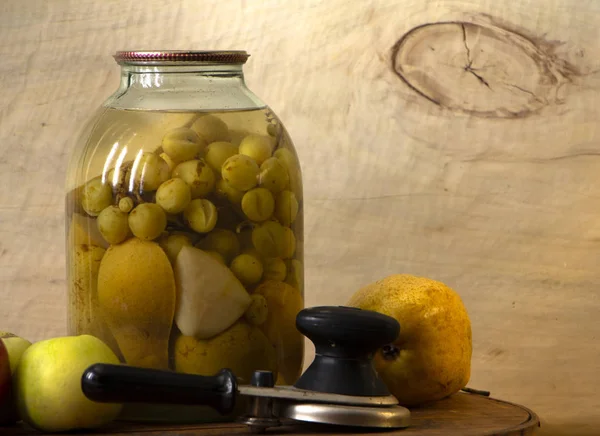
(431, 359)
(47, 384)
(136, 294)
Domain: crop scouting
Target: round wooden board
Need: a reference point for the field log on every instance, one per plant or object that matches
(460, 415)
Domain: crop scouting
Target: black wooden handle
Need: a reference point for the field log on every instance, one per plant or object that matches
(346, 340)
(348, 332)
(108, 383)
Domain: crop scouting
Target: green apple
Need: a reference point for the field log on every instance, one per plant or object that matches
(11, 349)
(15, 346)
(7, 412)
(47, 384)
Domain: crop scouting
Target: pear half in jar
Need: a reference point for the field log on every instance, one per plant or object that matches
(210, 299)
(136, 293)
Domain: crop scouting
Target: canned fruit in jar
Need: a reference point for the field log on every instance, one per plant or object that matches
(182, 144)
(209, 297)
(188, 242)
(242, 348)
(283, 302)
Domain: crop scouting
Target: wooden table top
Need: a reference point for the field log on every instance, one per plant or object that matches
(462, 414)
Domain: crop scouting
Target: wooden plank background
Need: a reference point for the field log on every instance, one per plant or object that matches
(466, 152)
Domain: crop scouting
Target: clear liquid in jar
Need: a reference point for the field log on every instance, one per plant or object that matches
(217, 253)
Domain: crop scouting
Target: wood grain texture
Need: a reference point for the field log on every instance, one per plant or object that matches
(458, 183)
(458, 415)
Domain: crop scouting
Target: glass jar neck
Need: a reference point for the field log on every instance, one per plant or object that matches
(200, 69)
(183, 88)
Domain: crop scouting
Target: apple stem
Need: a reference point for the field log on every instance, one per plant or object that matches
(390, 352)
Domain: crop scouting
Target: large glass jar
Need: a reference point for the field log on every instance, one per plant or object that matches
(184, 221)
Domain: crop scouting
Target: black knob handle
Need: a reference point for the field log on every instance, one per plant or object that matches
(345, 340)
(108, 383)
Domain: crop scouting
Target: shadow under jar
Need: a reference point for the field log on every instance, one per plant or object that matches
(184, 225)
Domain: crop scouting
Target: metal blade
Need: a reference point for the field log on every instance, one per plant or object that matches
(292, 393)
(354, 416)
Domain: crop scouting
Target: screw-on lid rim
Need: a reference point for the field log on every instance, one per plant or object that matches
(169, 57)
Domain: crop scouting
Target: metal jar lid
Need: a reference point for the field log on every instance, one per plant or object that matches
(181, 57)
